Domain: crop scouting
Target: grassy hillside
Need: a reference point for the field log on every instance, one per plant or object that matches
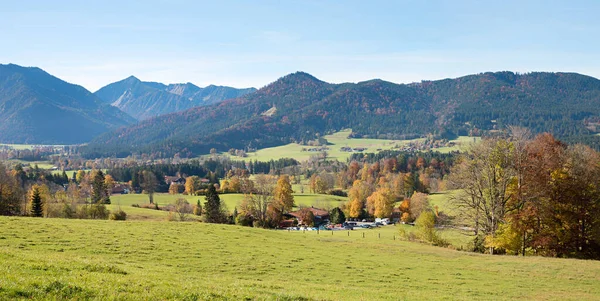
(299, 107)
(339, 140)
(125, 201)
(85, 259)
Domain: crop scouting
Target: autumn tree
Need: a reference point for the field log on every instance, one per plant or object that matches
(182, 208)
(419, 202)
(381, 202)
(484, 175)
(10, 193)
(283, 194)
(192, 184)
(260, 204)
(357, 196)
(307, 217)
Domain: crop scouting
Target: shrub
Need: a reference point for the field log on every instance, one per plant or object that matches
(119, 215)
(425, 228)
(244, 220)
(337, 192)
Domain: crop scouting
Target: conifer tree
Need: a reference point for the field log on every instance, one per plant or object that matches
(37, 208)
(212, 206)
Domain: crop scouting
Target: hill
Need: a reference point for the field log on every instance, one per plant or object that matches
(38, 108)
(146, 260)
(143, 100)
(299, 107)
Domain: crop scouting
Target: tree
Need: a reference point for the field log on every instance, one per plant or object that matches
(234, 184)
(381, 202)
(182, 208)
(336, 216)
(149, 184)
(307, 217)
(425, 229)
(283, 193)
(11, 193)
(192, 184)
(100, 194)
(485, 175)
(212, 206)
(198, 209)
(357, 195)
(260, 205)
(419, 202)
(80, 175)
(109, 182)
(174, 188)
(37, 206)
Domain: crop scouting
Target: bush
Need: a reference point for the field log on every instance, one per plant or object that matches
(244, 220)
(425, 229)
(119, 215)
(337, 192)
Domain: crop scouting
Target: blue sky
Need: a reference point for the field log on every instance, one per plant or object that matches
(252, 43)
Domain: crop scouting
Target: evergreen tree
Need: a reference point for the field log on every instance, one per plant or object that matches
(198, 208)
(100, 193)
(37, 208)
(337, 216)
(212, 206)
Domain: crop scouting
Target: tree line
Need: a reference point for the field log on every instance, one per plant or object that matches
(523, 195)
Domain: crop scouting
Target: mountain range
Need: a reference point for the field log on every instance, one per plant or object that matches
(38, 108)
(299, 107)
(143, 100)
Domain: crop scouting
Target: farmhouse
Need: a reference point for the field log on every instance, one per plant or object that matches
(120, 189)
(321, 216)
(174, 180)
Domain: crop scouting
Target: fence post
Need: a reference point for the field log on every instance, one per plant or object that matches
(348, 233)
(317, 230)
(379, 235)
(363, 234)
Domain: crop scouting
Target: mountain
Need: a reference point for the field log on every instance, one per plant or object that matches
(38, 108)
(298, 107)
(143, 100)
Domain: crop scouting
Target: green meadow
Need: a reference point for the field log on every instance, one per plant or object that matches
(232, 200)
(339, 140)
(59, 259)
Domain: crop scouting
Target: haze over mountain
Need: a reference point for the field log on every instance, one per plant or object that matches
(298, 107)
(143, 100)
(38, 108)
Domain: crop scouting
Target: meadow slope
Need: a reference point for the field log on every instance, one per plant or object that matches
(86, 259)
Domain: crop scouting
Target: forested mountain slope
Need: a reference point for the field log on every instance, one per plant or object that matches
(38, 108)
(298, 107)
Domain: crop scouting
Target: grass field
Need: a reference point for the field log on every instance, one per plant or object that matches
(85, 259)
(124, 201)
(338, 140)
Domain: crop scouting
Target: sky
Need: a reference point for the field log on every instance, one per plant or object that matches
(253, 43)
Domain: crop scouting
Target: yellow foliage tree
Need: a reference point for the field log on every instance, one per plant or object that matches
(283, 193)
(192, 184)
(382, 202)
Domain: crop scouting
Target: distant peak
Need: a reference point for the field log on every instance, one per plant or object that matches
(301, 75)
(132, 78)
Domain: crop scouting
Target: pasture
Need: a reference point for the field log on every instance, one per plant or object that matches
(232, 200)
(339, 140)
(133, 260)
